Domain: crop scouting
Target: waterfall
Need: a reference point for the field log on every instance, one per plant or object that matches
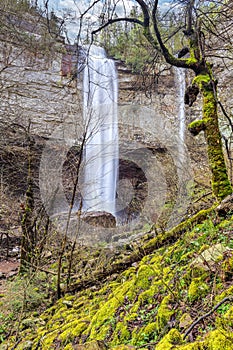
(180, 77)
(100, 93)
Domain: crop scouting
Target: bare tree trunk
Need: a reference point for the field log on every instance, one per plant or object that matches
(28, 239)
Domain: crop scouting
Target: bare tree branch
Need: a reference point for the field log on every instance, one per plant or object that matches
(206, 315)
(115, 20)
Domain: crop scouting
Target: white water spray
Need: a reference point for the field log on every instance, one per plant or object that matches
(100, 93)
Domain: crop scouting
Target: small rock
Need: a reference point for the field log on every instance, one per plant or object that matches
(209, 256)
(185, 321)
(27, 345)
(93, 345)
(12, 273)
(124, 347)
(68, 303)
(31, 323)
(135, 264)
(14, 252)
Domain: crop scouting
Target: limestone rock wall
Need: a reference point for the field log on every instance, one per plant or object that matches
(33, 91)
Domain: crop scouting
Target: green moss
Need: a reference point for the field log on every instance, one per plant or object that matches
(220, 183)
(185, 320)
(196, 127)
(164, 314)
(155, 260)
(197, 289)
(129, 273)
(195, 271)
(217, 340)
(191, 61)
(192, 346)
(178, 230)
(124, 347)
(68, 347)
(47, 341)
(150, 328)
(144, 276)
(136, 309)
(105, 318)
(201, 79)
(131, 316)
(102, 332)
(146, 334)
(26, 346)
(148, 295)
(121, 334)
(131, 290)
(72, 330)
(93, 345)
(226, 224)
(227, 292)
(170, 340)
(31, 323)
(227, 268)
(203, 248)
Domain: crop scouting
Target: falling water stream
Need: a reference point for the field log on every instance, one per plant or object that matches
(100, 93)
(180, 77)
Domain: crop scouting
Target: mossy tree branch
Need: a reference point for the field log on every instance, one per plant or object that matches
(220, 183)
(196, 127)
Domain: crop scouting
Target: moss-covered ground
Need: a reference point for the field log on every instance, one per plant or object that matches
(152, 304)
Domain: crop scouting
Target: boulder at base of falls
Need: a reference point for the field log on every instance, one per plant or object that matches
(100, 218)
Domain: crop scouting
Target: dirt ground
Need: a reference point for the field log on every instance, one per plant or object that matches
(9, 258)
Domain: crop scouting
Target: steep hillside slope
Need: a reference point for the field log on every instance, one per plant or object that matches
(178, 297)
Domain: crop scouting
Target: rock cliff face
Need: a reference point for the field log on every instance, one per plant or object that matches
(43, 91)
(33, 91)
(33, 87)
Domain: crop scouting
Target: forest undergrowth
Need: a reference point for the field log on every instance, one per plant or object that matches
(168, 291)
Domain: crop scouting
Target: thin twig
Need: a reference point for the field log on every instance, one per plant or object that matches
(203, 196)
(42, 269)
(206, 315)
(226, 114)
(147, 344)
